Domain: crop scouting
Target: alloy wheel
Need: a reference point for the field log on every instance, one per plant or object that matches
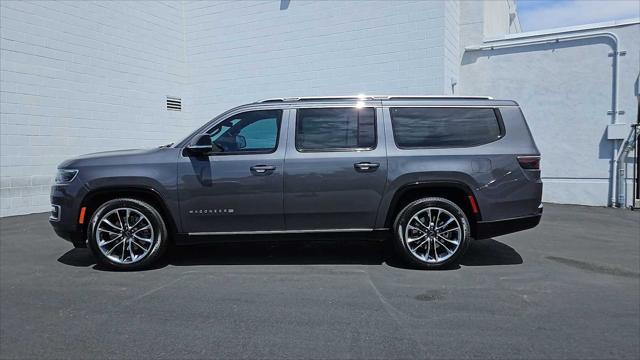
(433, 235)
(125, 235)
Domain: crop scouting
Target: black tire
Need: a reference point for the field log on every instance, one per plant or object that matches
(160, 234)
(405, 215)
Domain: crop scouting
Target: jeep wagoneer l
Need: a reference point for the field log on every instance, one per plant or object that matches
(431, 173)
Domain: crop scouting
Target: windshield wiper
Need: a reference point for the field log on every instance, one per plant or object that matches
(165, 146)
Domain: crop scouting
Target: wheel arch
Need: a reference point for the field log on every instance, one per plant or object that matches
(94, 198)
(456, 191)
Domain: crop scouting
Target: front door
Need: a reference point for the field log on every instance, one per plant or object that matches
(336, 168)
(239, 188)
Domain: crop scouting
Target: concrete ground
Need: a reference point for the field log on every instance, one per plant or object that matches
(569, 288)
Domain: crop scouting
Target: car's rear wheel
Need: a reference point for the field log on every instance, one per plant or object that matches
(127, 234)
(431, 233)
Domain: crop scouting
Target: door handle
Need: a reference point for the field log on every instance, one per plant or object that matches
(366, 166)
(261, 169)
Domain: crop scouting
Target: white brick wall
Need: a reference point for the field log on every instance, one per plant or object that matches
(79, 77)
(244, 51)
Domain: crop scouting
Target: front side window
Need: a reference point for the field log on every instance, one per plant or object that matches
(335, 129)
(249, 132)
(444, 127)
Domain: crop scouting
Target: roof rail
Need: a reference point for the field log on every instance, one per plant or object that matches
(437, 97)
(310, 98)
(372, 97)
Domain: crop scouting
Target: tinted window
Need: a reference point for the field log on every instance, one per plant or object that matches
(253, 131)
(335, 129)
(444, 127)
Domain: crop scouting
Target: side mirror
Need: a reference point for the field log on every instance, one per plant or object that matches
(200, 145)
(241, 142)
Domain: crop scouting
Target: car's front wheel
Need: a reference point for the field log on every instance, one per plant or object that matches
(431, 233)
(127, 234)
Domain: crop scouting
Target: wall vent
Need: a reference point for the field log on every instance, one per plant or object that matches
(174, 103)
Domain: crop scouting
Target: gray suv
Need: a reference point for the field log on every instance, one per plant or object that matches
(430, 172)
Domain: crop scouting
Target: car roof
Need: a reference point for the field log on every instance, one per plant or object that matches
(368, 100)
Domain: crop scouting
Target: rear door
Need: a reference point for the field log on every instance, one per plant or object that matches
(335, 167)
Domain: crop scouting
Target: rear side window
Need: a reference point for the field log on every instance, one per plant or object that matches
(335, 129)
(444, 127)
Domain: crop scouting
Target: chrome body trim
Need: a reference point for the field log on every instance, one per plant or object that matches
(283, 232)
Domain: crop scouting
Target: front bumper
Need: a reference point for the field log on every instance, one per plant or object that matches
(75, 237)
(65, 206)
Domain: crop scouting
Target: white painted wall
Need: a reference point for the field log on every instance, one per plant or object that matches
(496, 23)
(451, 47)
(485, 19)
(79, 77)
(565, 91)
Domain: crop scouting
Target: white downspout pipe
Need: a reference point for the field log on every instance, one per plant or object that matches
(571, 36)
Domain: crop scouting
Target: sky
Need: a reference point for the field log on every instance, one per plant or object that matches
(546, 14)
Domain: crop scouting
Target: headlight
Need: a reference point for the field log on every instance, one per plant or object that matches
(65, 176)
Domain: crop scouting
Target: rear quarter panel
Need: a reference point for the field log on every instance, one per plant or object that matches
(491, 171)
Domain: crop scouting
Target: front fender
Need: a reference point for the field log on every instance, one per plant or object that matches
(164, 190)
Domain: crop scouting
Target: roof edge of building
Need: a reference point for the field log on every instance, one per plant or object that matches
(567, 29)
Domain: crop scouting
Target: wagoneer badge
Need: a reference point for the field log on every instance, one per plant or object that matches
(211, 211)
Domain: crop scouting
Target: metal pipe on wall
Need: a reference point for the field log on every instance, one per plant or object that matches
(636, 165)
(538, 39)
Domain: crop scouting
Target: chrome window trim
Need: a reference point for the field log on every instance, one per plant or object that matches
(280, 121)
(296, 119)
(327, 102)
(496, 111)
(223, 116)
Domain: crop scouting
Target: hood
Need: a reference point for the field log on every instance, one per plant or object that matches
(111, 157)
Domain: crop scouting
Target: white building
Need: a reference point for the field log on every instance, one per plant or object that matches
(79, 77)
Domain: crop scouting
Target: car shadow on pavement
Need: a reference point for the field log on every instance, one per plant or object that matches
(481, 253)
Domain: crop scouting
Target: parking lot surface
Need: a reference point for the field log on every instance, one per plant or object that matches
(569, 288)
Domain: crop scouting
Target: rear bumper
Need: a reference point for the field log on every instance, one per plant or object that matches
(489, 229)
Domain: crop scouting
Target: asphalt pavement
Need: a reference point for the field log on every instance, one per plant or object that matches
(569, 288)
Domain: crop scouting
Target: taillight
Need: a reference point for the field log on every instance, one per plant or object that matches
(529, 162)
